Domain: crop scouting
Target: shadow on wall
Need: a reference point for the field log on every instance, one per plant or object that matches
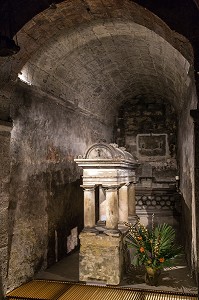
(65, 217)
(187, 232)
(1, 289)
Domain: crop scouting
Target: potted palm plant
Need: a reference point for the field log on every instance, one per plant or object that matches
(154, 248)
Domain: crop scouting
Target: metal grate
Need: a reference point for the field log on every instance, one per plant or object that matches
(39, 289)
(45, 289)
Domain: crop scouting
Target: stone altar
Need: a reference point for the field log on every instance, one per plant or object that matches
(109, 171)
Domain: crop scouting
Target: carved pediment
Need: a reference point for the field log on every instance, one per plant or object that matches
(101, 151)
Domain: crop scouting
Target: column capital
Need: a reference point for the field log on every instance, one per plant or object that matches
(88, 187)
(132, 183)
(111, 187)
(134, 180)
(123, 184)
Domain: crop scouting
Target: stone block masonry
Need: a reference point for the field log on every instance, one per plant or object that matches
(101, 258)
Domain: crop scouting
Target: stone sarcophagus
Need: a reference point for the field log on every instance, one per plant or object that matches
(108, 181)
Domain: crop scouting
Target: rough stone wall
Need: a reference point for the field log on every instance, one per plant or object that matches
(46, 201)
(5, 128)
(4, 106)
(147, 129)
(195, 115)
(187, 180)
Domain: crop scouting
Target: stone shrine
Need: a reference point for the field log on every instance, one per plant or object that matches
(108, 176)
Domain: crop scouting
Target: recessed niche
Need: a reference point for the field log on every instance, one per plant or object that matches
(152, 145)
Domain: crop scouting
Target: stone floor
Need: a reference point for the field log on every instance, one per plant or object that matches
(176, 278)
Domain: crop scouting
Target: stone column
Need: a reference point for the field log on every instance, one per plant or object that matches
(112, 214)
(102, 204)
(89, 207)
(123, 203)
(131, 204)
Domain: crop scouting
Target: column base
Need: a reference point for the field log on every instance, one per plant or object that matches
(133, 219)
(90, 229)
(101, 223)
(112, 232)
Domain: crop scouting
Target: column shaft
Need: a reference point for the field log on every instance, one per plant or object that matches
(102, 204)
(131, 205)
(123, 204)
(89, 207)
(112, 208)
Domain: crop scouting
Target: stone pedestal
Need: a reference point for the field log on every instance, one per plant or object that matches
(101, 258)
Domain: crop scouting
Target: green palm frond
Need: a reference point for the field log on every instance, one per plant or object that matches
(164, 236)
(155, 247)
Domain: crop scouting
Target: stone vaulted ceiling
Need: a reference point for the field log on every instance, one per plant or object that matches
(97, 55)
(103, 65)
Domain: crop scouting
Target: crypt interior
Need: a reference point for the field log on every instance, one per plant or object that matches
(94, 72)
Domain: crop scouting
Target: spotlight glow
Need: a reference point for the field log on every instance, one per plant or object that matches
(23, 76)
